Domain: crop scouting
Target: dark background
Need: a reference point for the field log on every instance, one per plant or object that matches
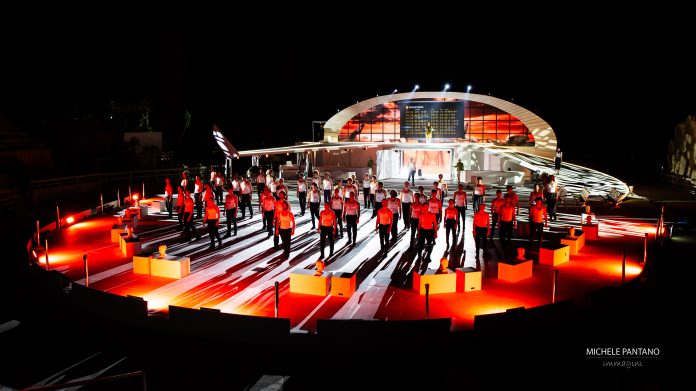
(613, 87)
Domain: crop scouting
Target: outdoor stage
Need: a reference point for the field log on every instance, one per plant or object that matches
(239, 278)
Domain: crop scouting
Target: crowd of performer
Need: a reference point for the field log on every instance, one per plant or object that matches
(341, 211)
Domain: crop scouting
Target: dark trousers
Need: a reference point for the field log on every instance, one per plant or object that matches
(326, 232)
(180, 212)
(352, 226)
(246, 202)
(260, 187)
(339, 221)
(395, 222)
(505, 233)
(268, 221)
(551, 204)
(231, 220)
(537, 228)
(188, 226)
(214, 233)
(494, 219)
(412, 177)
(451, 225)
(414, 229)
(238, 194)
(406, 209)
(461, 223)
(372, 201)
(303, 200)
(197, 197)
(168, 204)
(429, 236)
(314, 211)
(480, 239)
(285, 235)
(383, 236)
(477, 201)
(327, 196)
(366, 196)
(218, 194)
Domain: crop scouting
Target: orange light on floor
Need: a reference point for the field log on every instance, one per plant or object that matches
(70, 220)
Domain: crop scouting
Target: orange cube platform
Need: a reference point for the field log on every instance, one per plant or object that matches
(343, 284)
(116, 231)
(307, 282)
(591, 231)
(141, 263)
(439, 282)
(574, 243)
(515, 270)
(171, 266)
(468, 279)
(554, 254)
(130, 246)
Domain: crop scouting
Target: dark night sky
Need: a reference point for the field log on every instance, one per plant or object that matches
(613, 93)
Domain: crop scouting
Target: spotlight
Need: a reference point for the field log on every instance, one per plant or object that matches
(416, 88)
(447, 86)
(70, 220)
(468, 88)
(394, 91)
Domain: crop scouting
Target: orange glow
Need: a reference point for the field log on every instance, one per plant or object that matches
(70, 220)
(135, 197)
(632, 270)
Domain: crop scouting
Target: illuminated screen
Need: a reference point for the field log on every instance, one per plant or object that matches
(446, 119)
(474, 122)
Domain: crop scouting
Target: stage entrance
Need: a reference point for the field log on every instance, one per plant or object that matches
(432, 162)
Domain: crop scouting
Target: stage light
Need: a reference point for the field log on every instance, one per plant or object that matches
(70, 220)
(447, 86)
(416, 88)
(394, 91)
(468, 88)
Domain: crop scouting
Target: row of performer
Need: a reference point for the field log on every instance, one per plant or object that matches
(421, 214)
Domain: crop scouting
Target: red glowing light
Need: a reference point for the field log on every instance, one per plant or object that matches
(135, 197)
(70, 220)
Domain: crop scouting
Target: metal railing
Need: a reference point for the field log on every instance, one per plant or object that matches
(104, 379)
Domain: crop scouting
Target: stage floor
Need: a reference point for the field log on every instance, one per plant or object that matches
(239, 277)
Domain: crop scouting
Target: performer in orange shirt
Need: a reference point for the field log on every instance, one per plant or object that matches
(427, 230)
(351, 214)
(482, 224)
(327, 228)
(537, 220)
(231, 206)
(286, 228)
(451, 221)
(212, 217)
(507, 220)
(188, 217)
(496, 204)
(385, 219)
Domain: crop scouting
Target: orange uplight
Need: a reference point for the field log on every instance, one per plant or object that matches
(70, 220)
